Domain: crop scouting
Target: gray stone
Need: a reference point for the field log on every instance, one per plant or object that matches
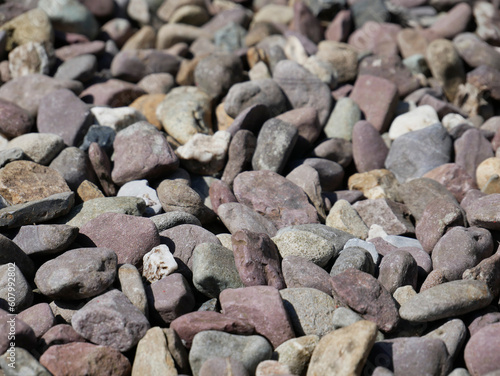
(74, 166)
(20, 290)
(141, 189)
(300, 272)
(41, 148)
(453, 333)
(80, 68)
(483, 212)
(11, 253)
(175, 218)
(131, 285)
(236, 216)
(353, 258)
(341, 122)
(344, 217)
(25, 364)
(398, 269)
(45, 238)
(11, 155)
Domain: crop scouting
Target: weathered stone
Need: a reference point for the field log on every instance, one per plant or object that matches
(343, 216)
(240, 155)
(483, 213)
(300, 272)
(152, 356)
(398, 269)
(454, 178)
(44, 239)
(353, 258)
(131, 285)
(236, 216)
(15, 120)
(41, 148)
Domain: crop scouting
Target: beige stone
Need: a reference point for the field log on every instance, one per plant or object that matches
(224, 121)
(88, 191)
(375, 184)
(488, 175)
(147, 104)
(131, 285)
(272, 368)
(142, 39)
(403, 294)
(344, 217)
(296, 353)
(152, 356)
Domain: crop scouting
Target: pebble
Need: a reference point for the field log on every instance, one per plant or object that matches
(23, 293)
(116, 118)
(454, 178)
(419, 118)
(25, 364)
(152, 355)
(45, 239)
(223, 366)
(16, 121)
(344, 217)
(158, 263)
(369, 150)
(308, 178)
(141, 189)
(236, 217)
(41, 148)
(171, 219)
(60, 334)
(480, 359)
(398, 269)
(131, 285)
(300, 272)
(483, 213)
(239, 157)
(353, 258)
(485, 271)
(39, 317)
(296, 353)
(79, 68)
(453, 333)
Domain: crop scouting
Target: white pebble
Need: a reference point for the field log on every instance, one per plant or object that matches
(158, 263)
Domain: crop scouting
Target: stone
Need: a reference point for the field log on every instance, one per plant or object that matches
(25, 364)
(339, 29)
(367, 246)
(446, 300)
(262, 307)
(343, 216)
(303, 89)
(152, 355)
(102, 167)
(344, 351)
(220, 193)
(331, 174)
(45, 239)
(24, 335)
(231, 37)
(307, 178)
(117, 118)
(379, 116)
(129, 236)
(244, 95)
(296, 353)
(250, 119)
(147, 104)
(454, 178)
(300, 272)
(39, 317)
(335, 149)
(203, 154)
(257, 259)
(13, 284)
(104, 136)
(343, 57)
(79, 68)
(158, 263)
(83, 47)
(170, 34)
(256, 189)
(166, 221)
(77, 274)
(85, 358)
(157, 83)
(113, 93)
(483, 212)
(480, 359)
(344, 116)
(58, 335)
(453, 333)
(214, 269)
(416, 119)
(16, 121)
(398, 269)
(369, 150)
(274, 146)
(236, 217)
(141, 152)
(240, 153)
(406, 158)
(306, 321)
(485, 271)
(375, 184)
(41, 148)
(184, 112)
(471, 149)
(11, 155)
(111, 320)
(474, 51)
(223, 366)
(486, 175)
(249, 350)
(190, 324)
(141, 189)
(131, 285)
(366, 295)
(74, 166)
(38, 182)
(353, 258)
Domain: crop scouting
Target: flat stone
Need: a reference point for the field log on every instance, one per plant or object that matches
(117, 118)
(344, 217)
(41, 148)
(79, 68)
(166, 221)
(236, 217)
(39, 317)
(484, 212)
(111, 320)
(364, 294)
(45, 239)
(474, 51)
(446, 300)
(214, 269)
(152, 355)
(262, 307)
(344, 351)
(129, 236)
(77, 274)
(83, 47)
(369, 150)
(486, 271)
(300, 272)
(249, 350)
(296, 353)
(131, 285)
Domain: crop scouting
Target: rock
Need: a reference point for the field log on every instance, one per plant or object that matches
(298, 303)
(131, 285)
(379, 116)
(79, 68)
(299, 272)
(85, 358)
(223, 366)
(330, 173)
(307, 178)
(471, 149)
(237, 217)
(39, 182)
(340, 27)
(45, 239)
(343, 57)
(343, 216)
(58, 335)
(166, 221)
(104, 136)
(250, 119)
(486, 175)
(111, 320)
(77, 274)
(152, 355)
(24, 364)
(344, 351)
(158, 263)
(485, 271)
(203, 154)
(16, 121)
(157, 83)
(117, 118)
(22, 294)
(483, 213)
(275, 143)
(112, 93)
(102, 167)
(446, 300)
(476, 244)
(141, 152)
(82, 47)
(41, 148)
(39, 317)
(11, 155)
(479, 358)
(368, 148)
(353, 258)
(239, 156)
(303, 89)
(296, 353)
(184, 112)
(455, 179)
(249, 350)
(141, 189)
(220, 193)
(375, 184)
(129, 236)
(24, 335)
(414, 120)
(74, 166)
(364, 294)
(406, 158)
(334, 149)
(475, 52)
(398, 269)
(453, 333)
(262, 307)
(214, 269)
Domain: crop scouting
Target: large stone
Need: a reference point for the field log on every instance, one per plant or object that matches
(484, 212)
(239, 156)
(236, 217)
(344, 217)
(296, 353)
(41, 148)
(74, 166)
(369, 150)
(480, 351)
(299, 272)
(152, 356)
(24, 364)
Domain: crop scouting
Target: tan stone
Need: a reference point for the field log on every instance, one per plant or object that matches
(147, 105)
(152, 356)
(185, 74)
(403, 294)
(488, 175)
(272, 368)
(344, 217)
(142, 39)
(88, 191)
(224, 121)
(375, 184)
(24, 181)
(343, 351)
(296, 353)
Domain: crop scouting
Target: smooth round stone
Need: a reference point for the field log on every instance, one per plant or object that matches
(77, 274)
(42, 148)
(236, 216)
(39, 317)
(367, 246)
(483, 212)
(74, 166)
(231, 37)
(480, 351)
(488, 175)
(80, 68)
(15, 120)
(157, 83)
(44, 239)
(368, 147)
(476, 52)
(141, 189)
(419, 118)
(398, 269)
(344, 217)
(223, 366)
(300, 272)
(23, 294)
(113, 93)
(446, 300)
(353, 258)
(342, 57)
(306, 321)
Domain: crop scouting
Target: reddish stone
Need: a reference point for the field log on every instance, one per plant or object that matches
(220, 193)
(379, 38)
(368, 148)
(14, 120)
(481, 351)
(102, 168)
(113, 93)
(299, 272)
(454, 177)
(59, 335)
(452, 23)
(339, 29)
(73, 50)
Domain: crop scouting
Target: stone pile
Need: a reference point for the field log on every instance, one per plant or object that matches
(241, 188)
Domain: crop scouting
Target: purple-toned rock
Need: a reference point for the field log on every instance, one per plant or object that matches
(303, 89)
(112, 93)
(275, 197)
(411, 356)
(335, 149)
(366, 295)
(169, 298)
(485, 212)
(257, 259)
(398, 269)
(236, 216)
(331, 174)
(40, 85)
(339, 29)
(438, 217)
(39, 317)
(182, 240)
(11, 325)
(188, 325)
(61, 112)
(15, 120)
(379, 116)
(434, 278)
(460, 249)
(481, 351)
(220, 193)
(392, 216)
(38, 239)
(102, 168)
(300, 272)
(454, 22)
(223, 366)
(240, 155)
(483, 320)
(305, 22)
(485, 78)
(262, 307)
(306, 121)
(369, 150)
(471, 149)
(85, 359)
(73, 50)
(487, 271)
(376, 37)
(476, 52)
(77, 274)
(59, 335)
(307, 178)
(454, 178)
(10, 252)
(141, 152)
(130, 236)
(111, 320)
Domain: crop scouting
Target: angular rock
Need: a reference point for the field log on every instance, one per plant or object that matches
(74, 166)
(296, 353)
(19, 298)
(454, 177)
(41, 148)
(236, 217)
(300, 272)
(39, 317)
(117, 118)
(166, 221)
(158, 263)
(353, 258)
(344, 217)
(152, 356)
(15, 120)
(141, 189)
(102, 167)
(414, 120)
(344, 116)
(486, 271)
(471, 149)
(308, 178)
(240, 155)
(483, 213)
